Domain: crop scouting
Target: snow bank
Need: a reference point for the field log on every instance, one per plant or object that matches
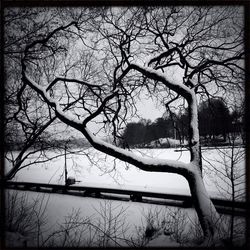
(165, 143)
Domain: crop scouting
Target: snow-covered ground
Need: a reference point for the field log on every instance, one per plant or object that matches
(132, 222)
(72, 221)
(96, 169)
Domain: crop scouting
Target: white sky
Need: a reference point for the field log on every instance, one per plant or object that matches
(147, 109)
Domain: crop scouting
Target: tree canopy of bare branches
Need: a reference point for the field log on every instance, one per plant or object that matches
(93, 65)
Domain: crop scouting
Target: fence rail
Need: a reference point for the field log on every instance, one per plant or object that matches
(185, 201)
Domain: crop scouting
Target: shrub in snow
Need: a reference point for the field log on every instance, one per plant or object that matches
(15, 239)
(23, 218)
(150, 231)
(26, 225)
(169, 222)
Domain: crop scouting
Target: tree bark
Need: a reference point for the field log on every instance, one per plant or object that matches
(208, 216)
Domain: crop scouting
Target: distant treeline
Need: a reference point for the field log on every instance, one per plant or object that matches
(216, 122)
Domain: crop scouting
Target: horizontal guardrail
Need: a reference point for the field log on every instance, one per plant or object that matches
(222, 206)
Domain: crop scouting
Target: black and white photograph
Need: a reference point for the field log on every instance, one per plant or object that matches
(124, 126)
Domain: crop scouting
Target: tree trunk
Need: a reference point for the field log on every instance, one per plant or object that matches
(208, 216)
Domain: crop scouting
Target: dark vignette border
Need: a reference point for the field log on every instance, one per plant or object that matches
(78, 3)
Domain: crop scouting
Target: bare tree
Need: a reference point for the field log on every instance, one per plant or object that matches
(29, 220)
(25, 218)
(30, 126)
(230, 178)
(23, 126)
(174, 54)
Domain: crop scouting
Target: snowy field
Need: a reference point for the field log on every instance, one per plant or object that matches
(94, 169)
(58, 210)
